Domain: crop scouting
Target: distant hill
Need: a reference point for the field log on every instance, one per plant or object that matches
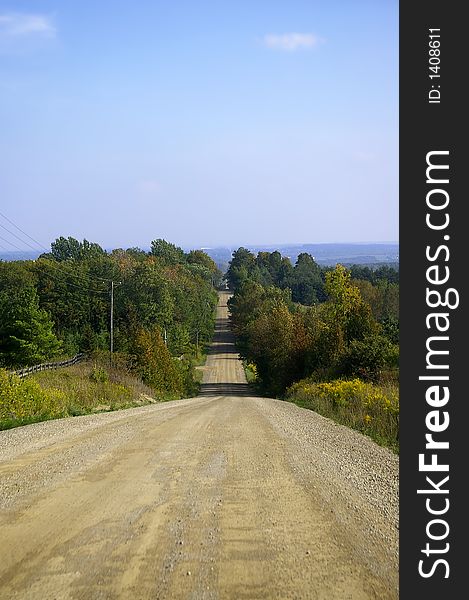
(17, 255)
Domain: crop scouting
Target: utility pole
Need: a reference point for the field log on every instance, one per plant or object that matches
(112, 320)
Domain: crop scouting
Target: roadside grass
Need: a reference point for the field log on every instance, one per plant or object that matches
(372, 409)
(84, 388)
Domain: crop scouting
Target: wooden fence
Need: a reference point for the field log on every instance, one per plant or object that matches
(47, 366)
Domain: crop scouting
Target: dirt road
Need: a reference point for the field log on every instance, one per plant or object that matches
(221, 496)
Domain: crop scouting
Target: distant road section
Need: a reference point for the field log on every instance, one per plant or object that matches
(224, 496)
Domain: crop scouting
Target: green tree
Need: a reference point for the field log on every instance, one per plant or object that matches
(241, 268)
(26, 331)
(155, 364)
(199, 257)
(271, 338)
(346, 307)
(334, 324)
(63, 249)
(383, 298)
(263, 270)
(245, 305)
(170, 254)
(64, 293)
(368, 357)
(146, 298)
(307, 285)
(285, 274)
(249, 302)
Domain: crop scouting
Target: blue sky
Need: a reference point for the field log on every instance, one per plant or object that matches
(204, 123)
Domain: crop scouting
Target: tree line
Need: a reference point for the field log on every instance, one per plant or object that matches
(303, 320)
(59, 305)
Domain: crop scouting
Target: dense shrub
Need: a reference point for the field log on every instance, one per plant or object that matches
(24, 400)
(156, 366)
(367, 358)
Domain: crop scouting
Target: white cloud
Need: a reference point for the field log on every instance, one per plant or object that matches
(291, 41)
(15, 25)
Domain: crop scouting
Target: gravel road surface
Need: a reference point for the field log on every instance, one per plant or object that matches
(226, 495)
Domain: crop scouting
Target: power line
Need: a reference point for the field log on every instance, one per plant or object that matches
(56, 266)
(23, 232)
(11, 244)
(62, 273)
(51, 263)
(75, 285)
(17, 237)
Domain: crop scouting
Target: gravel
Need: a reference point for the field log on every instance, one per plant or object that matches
(352, 474)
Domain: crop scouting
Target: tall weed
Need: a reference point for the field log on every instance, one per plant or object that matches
(369, 408)
(23, 400)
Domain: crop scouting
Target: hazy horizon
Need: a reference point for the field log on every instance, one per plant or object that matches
(187, 247)
(364, 253)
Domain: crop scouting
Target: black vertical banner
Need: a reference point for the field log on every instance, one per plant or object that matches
(434, 328)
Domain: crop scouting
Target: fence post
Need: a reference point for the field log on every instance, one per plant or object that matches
(46, 366)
